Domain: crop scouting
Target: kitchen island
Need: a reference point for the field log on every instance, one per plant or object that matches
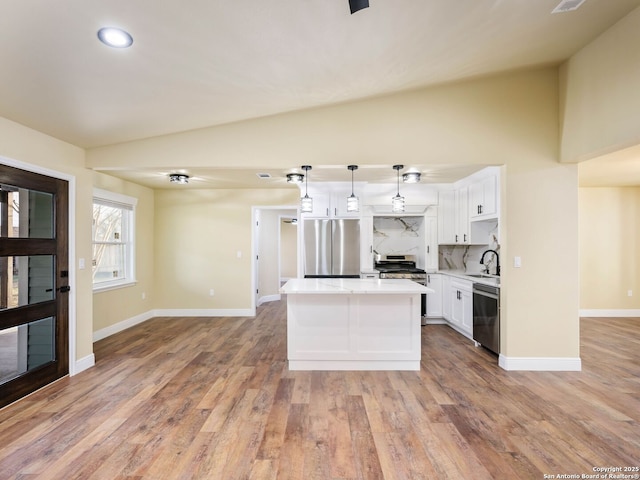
(353, 324)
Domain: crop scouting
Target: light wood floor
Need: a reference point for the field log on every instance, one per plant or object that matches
(212, 398)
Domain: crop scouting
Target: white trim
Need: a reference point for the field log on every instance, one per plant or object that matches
(124, 201)
(610, 313)
(143, 317)
(269, 298)
(255, 240)
(435, 321)
(72, 247)
(84, 363)
(541, 364)
(383, 365)
(121, 326)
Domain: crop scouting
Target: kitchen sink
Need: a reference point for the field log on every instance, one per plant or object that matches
(480, 275)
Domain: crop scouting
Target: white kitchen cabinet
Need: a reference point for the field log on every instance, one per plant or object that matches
(434, 300)
(321, 205)
(461, 297)
(453, 217)
(446, 217)
(431, 242)
(483, 197)
(366, 241)
(446, 297)
(462, 212)
(330, 202)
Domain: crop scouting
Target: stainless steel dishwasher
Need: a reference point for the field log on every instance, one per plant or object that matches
(486, 316)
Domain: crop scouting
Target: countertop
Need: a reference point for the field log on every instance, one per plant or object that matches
(489, 280)
(350, 286)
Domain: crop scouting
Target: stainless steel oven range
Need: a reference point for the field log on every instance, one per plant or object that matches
(403, 266)
(486, 316)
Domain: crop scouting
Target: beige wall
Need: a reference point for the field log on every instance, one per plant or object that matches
(129, 300)
(197, 236)
(609, 248)
(508, 119)
(22, 144)
(600, 100)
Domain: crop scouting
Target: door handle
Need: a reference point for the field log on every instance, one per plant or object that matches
(64, 289)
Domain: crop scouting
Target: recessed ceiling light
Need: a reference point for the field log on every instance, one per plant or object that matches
(115, 37)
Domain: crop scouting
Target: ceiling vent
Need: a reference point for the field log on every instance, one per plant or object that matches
(263, 175)
(567, 6)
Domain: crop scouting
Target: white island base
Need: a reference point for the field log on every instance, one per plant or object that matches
(353, 324)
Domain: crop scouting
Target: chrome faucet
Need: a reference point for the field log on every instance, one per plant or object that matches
(497, 261)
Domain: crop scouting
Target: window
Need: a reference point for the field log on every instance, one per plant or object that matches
(113, 263)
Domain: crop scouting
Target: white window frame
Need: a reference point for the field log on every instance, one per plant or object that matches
(128, 204)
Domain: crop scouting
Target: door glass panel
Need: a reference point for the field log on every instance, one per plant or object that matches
(27, 213)
(26, 280)
(26, 347)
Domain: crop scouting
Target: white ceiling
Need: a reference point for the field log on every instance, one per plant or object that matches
(208, 62)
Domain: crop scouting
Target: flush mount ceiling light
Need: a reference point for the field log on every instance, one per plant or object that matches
(115, 37)
(295, 177)
(306, 202)
(352, 200)
(356, 5)
(567, 6)
(411, 177)
(179, 178)
(397, 202)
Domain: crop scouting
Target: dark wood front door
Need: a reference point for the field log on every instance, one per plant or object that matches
(34, 282)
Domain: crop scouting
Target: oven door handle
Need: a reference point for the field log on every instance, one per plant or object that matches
(485, 294)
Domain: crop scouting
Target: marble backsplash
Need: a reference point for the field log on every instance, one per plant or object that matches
(398, 235)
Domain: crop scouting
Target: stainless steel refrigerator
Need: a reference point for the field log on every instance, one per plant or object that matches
(332, 248)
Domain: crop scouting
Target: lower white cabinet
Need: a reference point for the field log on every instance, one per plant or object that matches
(434, 300)
(446, 297)
(461, 298)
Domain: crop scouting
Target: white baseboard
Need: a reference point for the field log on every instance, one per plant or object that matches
(436, 321)
(130, 322)
(269, 298)
(610, 313)
(82, 364)
(541, 364)
(120, 326)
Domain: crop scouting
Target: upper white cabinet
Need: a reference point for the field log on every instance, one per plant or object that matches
(453, 217)
(330, 204)
(469, 210)
(483, 197)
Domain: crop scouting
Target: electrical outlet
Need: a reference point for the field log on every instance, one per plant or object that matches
(629, 293)
(211, 292)
(144, 295)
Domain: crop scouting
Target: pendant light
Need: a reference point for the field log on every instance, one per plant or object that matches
(306, 202)
(352, 200)
(397, 202)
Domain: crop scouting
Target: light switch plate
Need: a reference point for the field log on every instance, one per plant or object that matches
(517, 262)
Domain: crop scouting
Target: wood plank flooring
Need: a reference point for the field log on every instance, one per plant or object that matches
(212, 398)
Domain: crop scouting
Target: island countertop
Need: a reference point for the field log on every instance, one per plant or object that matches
(351, 286)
